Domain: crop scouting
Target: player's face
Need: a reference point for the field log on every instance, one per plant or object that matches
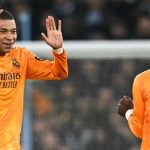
(8, 35)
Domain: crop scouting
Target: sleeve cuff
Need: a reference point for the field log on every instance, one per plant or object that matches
(128, 113)
(59, 50)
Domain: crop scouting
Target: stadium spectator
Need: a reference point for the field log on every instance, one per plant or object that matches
(87, 19)
(143, 30)
(83, 116)
(23, 17)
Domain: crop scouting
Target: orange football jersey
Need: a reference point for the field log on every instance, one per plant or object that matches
(15, 67)
(139, 122)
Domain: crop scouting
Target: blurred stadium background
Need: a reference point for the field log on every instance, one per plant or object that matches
(108, 44)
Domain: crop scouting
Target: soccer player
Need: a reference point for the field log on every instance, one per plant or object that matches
(18, 64)
(137, 112)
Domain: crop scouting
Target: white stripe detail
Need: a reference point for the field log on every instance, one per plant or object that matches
(59, 50)
(128, 113)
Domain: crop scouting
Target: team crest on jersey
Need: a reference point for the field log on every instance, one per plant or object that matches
(15, 63)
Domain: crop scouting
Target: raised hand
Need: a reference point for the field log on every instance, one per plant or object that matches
(124, 104)
(54, 36)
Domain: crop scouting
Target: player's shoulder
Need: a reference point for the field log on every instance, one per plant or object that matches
(143, 75)
(18, 49)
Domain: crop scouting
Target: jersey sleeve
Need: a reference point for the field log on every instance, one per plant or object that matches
(41, 69)
(135, 121)
(146, 126)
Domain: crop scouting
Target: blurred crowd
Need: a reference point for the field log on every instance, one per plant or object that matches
(83, 19)
(80, 112)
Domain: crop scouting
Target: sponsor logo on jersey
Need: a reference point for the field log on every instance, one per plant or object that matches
(9, 76)
(9, 80)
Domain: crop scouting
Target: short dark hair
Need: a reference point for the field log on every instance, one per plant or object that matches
(6, 15)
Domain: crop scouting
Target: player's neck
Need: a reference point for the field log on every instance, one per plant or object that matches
(2, 54)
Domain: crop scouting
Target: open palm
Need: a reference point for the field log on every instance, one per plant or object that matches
(54, 36)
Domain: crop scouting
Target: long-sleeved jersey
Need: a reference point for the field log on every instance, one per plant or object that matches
(139, 122)
(15, 67)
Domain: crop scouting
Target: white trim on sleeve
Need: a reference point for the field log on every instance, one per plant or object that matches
(59, 50)
(128, 113)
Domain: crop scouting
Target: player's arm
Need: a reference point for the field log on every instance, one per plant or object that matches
(136, 119)
(146, 125)
(133, 113)
(44, 69)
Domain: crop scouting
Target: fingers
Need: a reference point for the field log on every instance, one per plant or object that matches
(127, 98)
(44, 37)
(122, 108)
(59, 25)
(125, 102)
(121, 102)
(51, 25)
(47, 24)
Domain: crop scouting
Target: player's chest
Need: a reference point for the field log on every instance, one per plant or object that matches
(10, 72)
(11, 64)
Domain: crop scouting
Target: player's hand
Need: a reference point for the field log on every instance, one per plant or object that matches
(124, 104)
(54, 35)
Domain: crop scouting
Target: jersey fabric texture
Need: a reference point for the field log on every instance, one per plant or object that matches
(139, 122)
(15, 67)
